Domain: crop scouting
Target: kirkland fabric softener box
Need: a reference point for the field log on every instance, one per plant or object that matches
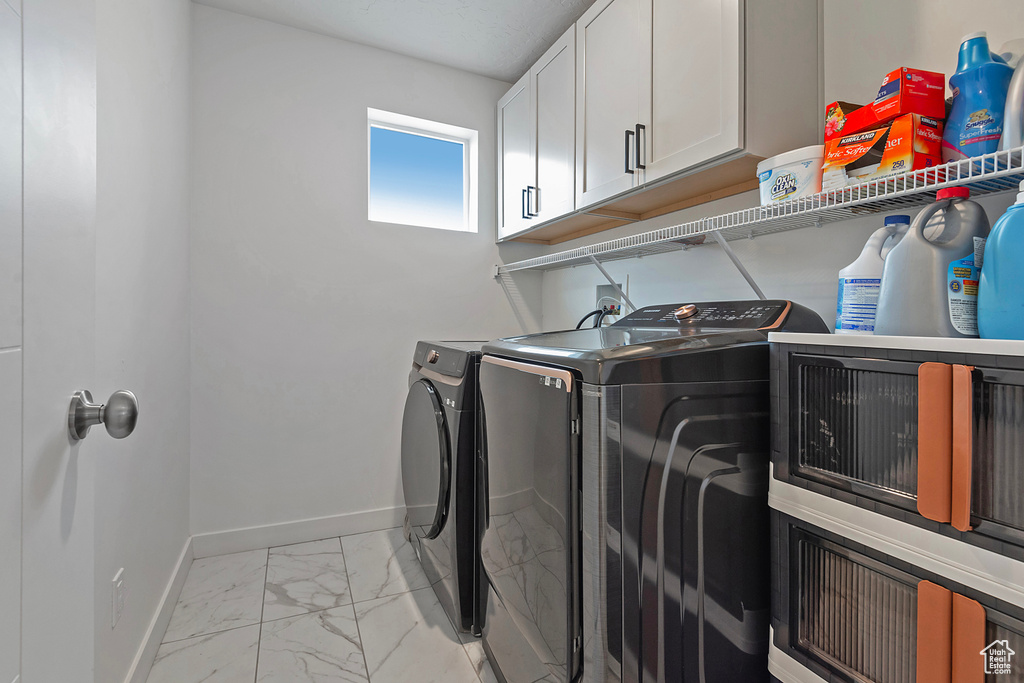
(909, 143)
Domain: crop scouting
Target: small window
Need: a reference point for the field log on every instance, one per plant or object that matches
(422, 173)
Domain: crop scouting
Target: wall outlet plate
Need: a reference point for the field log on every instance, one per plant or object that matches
(608, 298)
(118, 593)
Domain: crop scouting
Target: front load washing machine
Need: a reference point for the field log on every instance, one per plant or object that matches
(625, 475)
(439, 456)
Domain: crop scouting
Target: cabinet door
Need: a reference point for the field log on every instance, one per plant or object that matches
(692, 112)
(609, 71)
(515, 159)
(554, 96)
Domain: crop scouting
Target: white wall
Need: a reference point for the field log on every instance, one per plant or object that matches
(142, 323)
(866, 39)
(304, 314)
(863, 41)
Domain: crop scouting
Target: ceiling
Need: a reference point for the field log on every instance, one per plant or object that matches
(495, 38)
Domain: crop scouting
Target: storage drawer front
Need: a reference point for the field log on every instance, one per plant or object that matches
(857, 619)
(858, 424)
(998, 478)
(851, 614)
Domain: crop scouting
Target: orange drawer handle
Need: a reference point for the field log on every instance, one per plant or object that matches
(934, 633)
(934, 440)
(968, 640)
(963, 445)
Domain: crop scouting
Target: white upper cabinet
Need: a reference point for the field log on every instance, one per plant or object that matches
(676, 101)
(553, 79)
(516, 171)
(610, 87)
(692, 113)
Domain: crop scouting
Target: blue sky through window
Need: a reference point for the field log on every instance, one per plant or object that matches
(416, 180)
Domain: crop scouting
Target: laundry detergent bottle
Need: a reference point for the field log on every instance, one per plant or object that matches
(859, 282)
(930, 279)
(1001, 292)
(979, 86)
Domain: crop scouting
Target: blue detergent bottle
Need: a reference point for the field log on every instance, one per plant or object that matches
(1001, 288)
(979, 87)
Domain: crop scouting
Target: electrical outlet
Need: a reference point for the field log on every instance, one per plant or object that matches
(118, 593)
(608, 299)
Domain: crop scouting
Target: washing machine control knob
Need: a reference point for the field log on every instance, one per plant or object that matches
(684, 312)
(433, 356)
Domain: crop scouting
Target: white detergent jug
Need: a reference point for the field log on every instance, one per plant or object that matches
(860, 281)
(930, 279)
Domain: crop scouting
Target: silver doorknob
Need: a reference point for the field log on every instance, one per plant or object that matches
(119, 415)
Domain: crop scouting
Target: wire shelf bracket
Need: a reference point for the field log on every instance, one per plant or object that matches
(739, 264)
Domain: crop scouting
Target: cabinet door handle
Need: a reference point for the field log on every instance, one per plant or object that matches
(963, 446)
(934, 440)
(934, 633)
(530, 191)
(628, 133)
(526, 199)
(639, 145)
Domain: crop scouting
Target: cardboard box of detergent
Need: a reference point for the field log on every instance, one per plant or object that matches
(903, 91)
(909, 143)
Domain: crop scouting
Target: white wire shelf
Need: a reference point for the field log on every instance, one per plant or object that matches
(988, 174)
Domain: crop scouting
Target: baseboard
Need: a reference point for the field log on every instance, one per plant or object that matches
(257, 537)
(139, 671)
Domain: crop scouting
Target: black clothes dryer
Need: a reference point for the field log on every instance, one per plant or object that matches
(625, 485)
(439, 457)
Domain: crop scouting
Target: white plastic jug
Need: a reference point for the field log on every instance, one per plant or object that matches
(930, 283)
(859, 282)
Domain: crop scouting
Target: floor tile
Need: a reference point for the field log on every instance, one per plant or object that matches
(381, 563)
(225, 657)
(478, 657)
(220, 593)
(408, 637)
(322, 647)
(304, 578)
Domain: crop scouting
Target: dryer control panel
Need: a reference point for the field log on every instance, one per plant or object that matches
(711, 314)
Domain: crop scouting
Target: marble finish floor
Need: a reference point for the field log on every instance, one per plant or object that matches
(355, 609)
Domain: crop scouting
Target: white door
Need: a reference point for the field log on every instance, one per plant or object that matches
(553, 80)
(693, 111)
(609, 84)
(516, 176)
(57, 346)
(10, 343)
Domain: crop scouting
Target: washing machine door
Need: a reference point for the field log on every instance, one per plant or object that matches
(426, 460)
